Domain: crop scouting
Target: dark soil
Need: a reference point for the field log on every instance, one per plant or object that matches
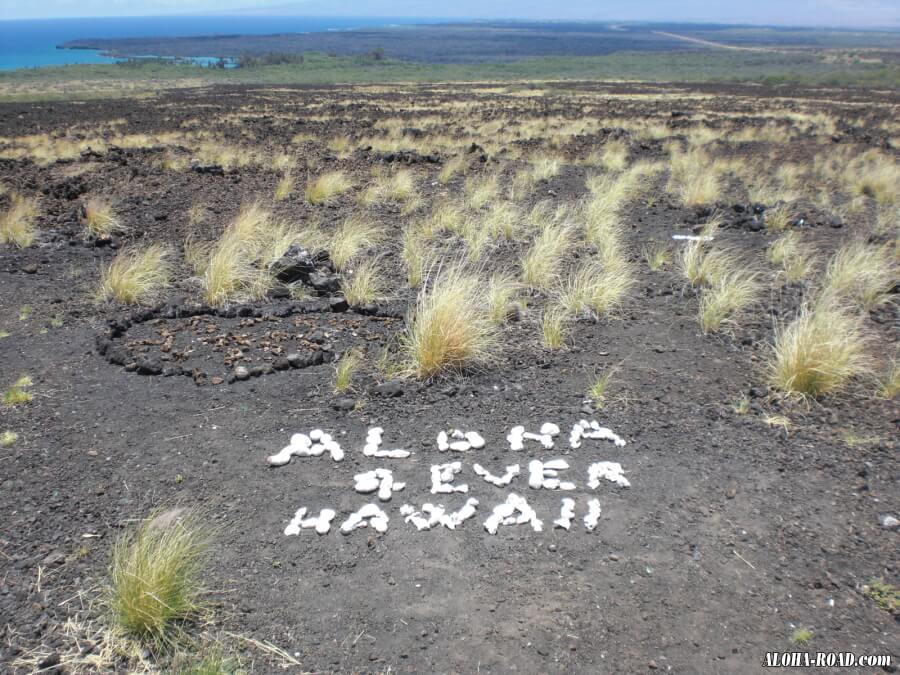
(733, 534)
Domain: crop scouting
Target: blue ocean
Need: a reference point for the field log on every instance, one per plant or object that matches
(30, 43)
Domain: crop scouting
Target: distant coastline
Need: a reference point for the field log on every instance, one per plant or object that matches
(27, 43)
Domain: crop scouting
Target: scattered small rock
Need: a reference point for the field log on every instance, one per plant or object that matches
(890, 522)
(241, 373)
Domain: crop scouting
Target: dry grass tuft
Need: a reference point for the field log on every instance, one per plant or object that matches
(100, 219)
(503, 221)
(155, 576)
(417, 256)
(7, 438)
(450, 169)
(876, 175)
(554, 327)
(345, 369)
(657, 255)
(889, 383)
(285, 187)
(354, 236)
(135, 275)
(481, 189)
(694, 177)
(862, 273)
(451, 328)
(820, 351)
(542, 262)
(18, 392)
(544, 168)
(327, 188)
(704, 266)
(614, 156)
(501, 292)
(779, 218)
(237, 265)
(796, 259)
(363, 285)
(597, 287)
(17, 225)
(729, 296)
(597, 391)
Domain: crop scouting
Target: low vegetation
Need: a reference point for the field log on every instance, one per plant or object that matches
(237, 265)
(354, 236)
(451, 328)
(796, 259)
(100, 219)
(155, 577)
(728, 298)
(542, 262)
(596, 287)
(17, 223)
(327, 188)
(861, 273)
(135, 275)
(820, 351)
(554, 327)
(18, 393)
(345, 369)
(703, 265)
(362, 285)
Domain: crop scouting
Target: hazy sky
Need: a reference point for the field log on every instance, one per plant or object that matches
(871, 13)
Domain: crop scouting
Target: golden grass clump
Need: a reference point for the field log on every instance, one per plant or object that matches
(237, 265)
(876, 175)
(614, 155)
(694, 177)
(285, 187)
(544, 168)
(451, 168)
(597, 287)
(135, 275)
(542, 262)
(554, 327)
(345, 369)
(354, 236)
(728, 297)
(18, 393)
(451, 328)
(501, 292)
(779, 218)
(481, 189)
(416, 256)
(889, 383)
(862, 273)
(17, 226)
(820, 351)
(445, 216)
(597, 391)
(503, 220)
(7, 438)
(796, 259)
(657, 255)
(327, 187)
(705, 266)
(363, 285)
(155, 576)
(601, 211)
(100, 219)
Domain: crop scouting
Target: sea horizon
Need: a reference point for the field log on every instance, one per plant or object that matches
(33, 43)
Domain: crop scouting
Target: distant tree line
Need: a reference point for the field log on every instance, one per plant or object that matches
(269, 59)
